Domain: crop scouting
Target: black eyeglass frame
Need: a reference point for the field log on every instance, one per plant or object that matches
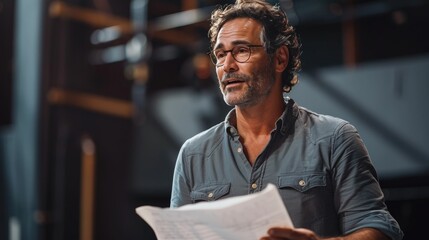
(214, 59)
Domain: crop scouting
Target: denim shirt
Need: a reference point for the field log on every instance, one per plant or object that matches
(319, 163)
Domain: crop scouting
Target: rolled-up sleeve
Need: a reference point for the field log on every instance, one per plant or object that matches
(358, 196)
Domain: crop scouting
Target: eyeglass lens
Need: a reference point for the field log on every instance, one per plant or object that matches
(240, 53)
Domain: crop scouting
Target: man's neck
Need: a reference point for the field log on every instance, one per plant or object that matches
(253, 121)
(254, 125)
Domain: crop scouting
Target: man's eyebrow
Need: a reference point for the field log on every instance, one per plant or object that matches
(220, 45)
(235, 43)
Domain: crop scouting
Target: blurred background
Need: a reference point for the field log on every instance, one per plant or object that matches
(96, 97)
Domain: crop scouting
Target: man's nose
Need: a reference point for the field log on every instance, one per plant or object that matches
(230, 63)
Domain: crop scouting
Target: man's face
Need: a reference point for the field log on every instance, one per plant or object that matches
(248, 83)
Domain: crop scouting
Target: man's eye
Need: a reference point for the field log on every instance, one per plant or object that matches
(220, 54)
(242, 50)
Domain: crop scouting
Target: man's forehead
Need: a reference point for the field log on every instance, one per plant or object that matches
(238, 30)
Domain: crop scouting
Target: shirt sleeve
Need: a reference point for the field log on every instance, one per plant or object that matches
(180, 194)
(358, 196)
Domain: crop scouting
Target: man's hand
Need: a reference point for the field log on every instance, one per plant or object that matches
(279, 233)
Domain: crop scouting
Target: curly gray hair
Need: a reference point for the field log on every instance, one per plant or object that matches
(276, 31)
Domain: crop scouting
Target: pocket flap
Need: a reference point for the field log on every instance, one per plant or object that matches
(302, 182)
(210, 192)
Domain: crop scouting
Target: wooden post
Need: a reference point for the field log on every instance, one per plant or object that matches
(349, 37)
(189, 4)
(87, 189)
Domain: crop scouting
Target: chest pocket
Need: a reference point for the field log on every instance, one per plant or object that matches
(210, 192)
(302, 182)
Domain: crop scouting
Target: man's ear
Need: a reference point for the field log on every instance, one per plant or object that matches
(282, 58)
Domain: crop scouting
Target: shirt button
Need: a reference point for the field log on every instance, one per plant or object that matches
(254, 186)
(210, 195)
(239, 149)
(302, 183)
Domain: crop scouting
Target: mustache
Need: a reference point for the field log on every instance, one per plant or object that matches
(238, 76)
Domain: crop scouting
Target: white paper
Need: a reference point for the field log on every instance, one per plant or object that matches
(242, 217)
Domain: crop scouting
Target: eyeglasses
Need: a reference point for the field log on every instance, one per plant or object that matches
(241, 53)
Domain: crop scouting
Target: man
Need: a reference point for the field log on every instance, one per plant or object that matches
(319, 163)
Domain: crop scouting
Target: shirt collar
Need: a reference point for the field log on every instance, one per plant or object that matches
(285, 122)
(230, 121)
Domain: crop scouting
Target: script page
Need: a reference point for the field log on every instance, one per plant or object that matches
(242, 217)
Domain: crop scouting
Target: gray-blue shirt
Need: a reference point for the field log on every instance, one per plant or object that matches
(319, 164)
